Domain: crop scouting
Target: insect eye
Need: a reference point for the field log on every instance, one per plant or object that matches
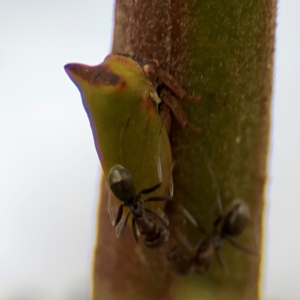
(236, 218)
(150, 70)
(121, 183)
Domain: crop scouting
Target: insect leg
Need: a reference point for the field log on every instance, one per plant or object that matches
(120, 228)
(241, 247)
(219, 202)
(222, 261)
(164, 219)
(151, 189)
(119, 215)
(168, 80)
(217, 222)
(134, 230)
(188, 216)
(177, 111)
(109, 208)
(158, 198)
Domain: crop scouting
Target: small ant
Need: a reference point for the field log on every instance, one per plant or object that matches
(122, 186)
(230, 224)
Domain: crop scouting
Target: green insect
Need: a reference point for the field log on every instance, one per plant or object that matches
(121, 101)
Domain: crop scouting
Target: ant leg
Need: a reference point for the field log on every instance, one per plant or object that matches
(217, 222)
(109, 208)
(158, 198)
(241, 247)
(134, 231)
(193, 221)
(120, 228)
(119, 215)
(222, 262)
(188, 215)
(183, 240)
(150, 190)
(164, 219)
(216, 186)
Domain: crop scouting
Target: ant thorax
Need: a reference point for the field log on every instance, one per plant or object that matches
(137, 208)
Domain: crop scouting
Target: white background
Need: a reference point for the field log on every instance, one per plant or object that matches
(49, 170)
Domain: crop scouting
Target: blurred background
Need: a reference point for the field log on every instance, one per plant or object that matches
(49, 170)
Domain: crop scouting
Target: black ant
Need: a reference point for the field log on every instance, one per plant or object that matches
(227, 226)
(122, 186)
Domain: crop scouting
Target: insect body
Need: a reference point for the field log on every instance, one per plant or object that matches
(121, 104)
(121, 184)
(121, 101)
(227, 226)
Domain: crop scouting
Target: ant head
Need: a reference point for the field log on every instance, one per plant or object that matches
(121, 184)
(179, 261)
(158, 239)
(236, 218)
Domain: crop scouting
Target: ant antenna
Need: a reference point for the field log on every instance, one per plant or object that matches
(216, 187)
(188, 215)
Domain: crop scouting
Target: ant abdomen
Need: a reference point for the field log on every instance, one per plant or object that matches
(121, 183)
(236, 218)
